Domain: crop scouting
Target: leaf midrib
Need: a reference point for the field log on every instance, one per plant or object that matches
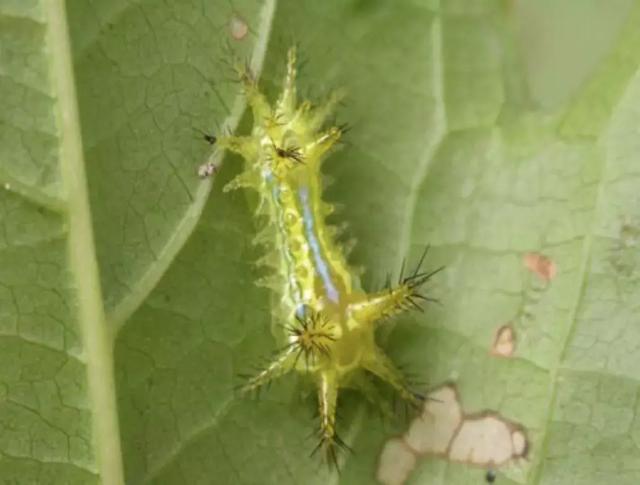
(97, 341)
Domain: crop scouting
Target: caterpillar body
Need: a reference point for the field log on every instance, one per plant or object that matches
(323, 321)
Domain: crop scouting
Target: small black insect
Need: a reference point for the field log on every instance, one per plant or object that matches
(210, 138)
(490, 477)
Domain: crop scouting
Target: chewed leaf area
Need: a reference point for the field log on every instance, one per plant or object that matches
(443, 430)
(324, 322)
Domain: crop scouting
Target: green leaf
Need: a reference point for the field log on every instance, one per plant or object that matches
(495, 131)
(97, 128)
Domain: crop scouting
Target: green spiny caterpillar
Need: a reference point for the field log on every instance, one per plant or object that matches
(325, 323)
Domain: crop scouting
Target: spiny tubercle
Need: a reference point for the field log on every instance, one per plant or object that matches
(323, 321)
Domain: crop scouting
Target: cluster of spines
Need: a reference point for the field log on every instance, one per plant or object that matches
(413, 285)
(310, 337)
(328, 439)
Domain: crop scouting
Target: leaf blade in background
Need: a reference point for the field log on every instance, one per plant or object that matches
(466, 136)
(58, 411)
(149, 76)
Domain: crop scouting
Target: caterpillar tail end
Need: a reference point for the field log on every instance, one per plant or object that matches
(329, 443)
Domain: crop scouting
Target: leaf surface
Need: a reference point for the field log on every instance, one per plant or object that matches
(480, 127)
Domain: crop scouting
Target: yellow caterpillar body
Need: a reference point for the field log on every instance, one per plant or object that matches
(324, 322)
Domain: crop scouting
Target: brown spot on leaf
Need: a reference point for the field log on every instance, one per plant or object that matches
(504, 342)
(238, 28)
(541, 265)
